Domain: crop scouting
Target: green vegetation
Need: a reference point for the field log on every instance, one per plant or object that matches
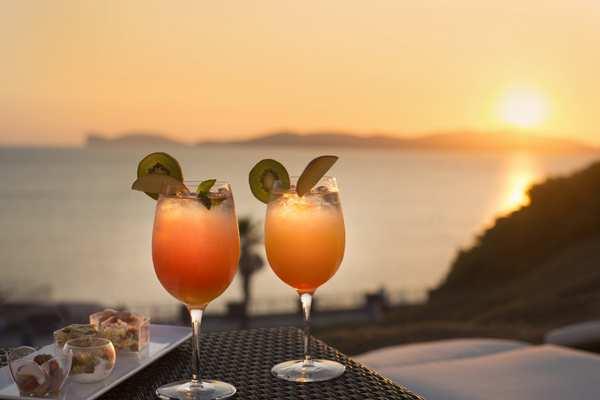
(533, 270)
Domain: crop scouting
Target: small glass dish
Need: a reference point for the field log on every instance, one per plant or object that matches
(129, 332)
(74, 331)
(39, 374)
(93, 358)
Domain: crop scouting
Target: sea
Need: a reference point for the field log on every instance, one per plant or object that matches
(72, 230)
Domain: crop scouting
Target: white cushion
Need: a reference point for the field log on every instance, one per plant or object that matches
(529, 373)
(577, 334)
(420, 353)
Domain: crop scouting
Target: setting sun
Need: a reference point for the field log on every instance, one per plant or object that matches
(523, 108)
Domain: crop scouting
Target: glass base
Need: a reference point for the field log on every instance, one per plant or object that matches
(313, 371)
(185, 390)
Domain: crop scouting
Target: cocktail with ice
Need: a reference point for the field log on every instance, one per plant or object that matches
(195, 249)
(304, 240)
(305, 236)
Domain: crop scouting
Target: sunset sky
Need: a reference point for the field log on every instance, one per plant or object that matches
(220, 69)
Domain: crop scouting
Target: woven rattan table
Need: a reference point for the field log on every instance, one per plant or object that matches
(244, 358)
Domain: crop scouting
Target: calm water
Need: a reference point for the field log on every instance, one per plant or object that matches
(73, 230)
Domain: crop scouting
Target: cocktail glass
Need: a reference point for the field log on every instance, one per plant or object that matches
(195, 249)
(305, 239)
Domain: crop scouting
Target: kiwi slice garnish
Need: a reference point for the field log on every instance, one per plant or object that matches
(158, 164)
(313, 172)
(153, 184)
(263, 177)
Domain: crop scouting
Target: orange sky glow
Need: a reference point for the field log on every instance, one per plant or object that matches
(225, 69)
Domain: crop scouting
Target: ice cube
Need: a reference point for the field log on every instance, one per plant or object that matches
(321, 189)
(331, 198)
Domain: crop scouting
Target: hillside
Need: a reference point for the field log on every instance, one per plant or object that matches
(533, 270)
(563, 211)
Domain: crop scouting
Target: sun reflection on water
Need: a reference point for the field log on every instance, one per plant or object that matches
(522, 172)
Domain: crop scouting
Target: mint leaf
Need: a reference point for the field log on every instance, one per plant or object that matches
(203, 190)
(205, 200)
(205, 186)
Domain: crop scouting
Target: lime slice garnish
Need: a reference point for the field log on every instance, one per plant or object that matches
(313, 172)
(263, 176)
(159, 164)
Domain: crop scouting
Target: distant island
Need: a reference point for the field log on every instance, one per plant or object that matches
(453, 141)
(130, 139)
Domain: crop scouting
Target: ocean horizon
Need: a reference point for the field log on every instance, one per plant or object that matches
(75, 232)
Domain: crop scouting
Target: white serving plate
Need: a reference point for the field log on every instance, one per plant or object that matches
(163, 338)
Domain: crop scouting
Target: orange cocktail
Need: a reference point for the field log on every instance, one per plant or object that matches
(304, 240)
(305, 237)
(195, 249)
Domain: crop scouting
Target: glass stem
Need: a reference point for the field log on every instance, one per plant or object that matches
(306, 300)
(196, 317)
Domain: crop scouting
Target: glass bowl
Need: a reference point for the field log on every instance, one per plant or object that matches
(39, 374)
(73, 331)
(93, 358)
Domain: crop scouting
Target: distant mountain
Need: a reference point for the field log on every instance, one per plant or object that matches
(499, 141)
(455, 141)
(317, 139)
(130, 139)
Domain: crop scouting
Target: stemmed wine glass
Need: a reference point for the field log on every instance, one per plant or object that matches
(305, 239)
(195, 249)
